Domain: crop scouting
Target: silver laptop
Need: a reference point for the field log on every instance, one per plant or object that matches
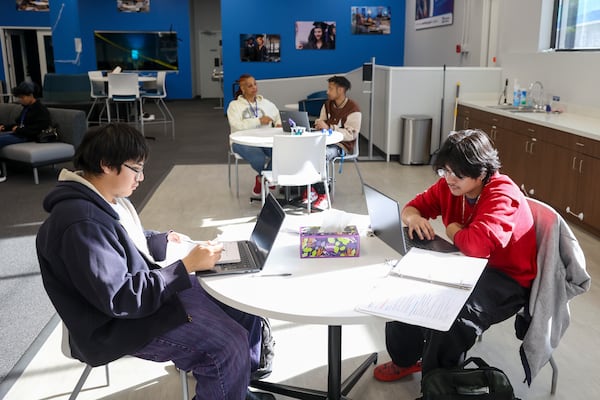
(386, 224)
(254, 252)
(294, 118)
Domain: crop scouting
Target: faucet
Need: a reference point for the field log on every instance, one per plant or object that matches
(536, 91)
(503, 94)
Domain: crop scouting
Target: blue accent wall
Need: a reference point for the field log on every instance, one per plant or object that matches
(279, 17)
(80, 18)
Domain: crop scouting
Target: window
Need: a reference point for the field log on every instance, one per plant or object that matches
(576, 25)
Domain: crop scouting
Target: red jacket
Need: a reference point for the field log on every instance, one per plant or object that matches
(498, 227)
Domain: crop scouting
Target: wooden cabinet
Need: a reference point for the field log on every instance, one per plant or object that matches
(553, 166)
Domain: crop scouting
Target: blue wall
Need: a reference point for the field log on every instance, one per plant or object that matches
(80, 18)
(278, 17)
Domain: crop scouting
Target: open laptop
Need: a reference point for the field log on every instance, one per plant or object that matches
(254, 252)
(386, 223)
(299, 118)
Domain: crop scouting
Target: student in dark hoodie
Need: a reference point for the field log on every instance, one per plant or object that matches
(34, 118)
(98, 268)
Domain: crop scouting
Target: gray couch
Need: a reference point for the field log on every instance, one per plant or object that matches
(71, 126)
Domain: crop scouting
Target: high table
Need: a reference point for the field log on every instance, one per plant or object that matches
(319, 291)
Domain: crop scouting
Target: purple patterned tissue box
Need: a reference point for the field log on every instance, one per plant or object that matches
(315, 244)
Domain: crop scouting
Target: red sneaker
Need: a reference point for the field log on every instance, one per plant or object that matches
(313, 195)
(390, 372)
(321, 203)
(257, 186)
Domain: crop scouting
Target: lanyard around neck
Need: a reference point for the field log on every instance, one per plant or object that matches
(255, 108)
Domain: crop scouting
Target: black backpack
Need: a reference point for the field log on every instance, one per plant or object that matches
(461, 383)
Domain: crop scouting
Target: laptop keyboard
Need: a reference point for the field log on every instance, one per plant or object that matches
(245, 258)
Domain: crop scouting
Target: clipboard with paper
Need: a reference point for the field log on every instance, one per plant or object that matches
(424, 288)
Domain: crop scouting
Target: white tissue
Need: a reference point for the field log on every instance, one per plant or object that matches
(335, 221)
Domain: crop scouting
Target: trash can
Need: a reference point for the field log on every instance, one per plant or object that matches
(415, 138)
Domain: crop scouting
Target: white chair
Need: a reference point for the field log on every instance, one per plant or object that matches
(97, 93)
(346, 157)
(297, 160)
(158, 93)
(124, 88)
(66, 350)
(236, 157)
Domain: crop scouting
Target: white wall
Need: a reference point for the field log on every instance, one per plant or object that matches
(571, 75)
(437, 46)
(519, 39)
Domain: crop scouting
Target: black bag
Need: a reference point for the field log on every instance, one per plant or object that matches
(460, 383)
(47, 135)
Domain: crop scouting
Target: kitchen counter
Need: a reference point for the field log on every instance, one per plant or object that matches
(580, 125)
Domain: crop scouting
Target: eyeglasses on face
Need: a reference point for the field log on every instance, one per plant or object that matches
(139, 172)
(444, 173)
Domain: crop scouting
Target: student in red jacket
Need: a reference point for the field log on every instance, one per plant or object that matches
(486, 216)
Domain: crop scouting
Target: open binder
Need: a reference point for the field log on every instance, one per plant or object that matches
(424, 288)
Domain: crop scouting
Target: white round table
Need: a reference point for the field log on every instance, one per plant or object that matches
(263, 137)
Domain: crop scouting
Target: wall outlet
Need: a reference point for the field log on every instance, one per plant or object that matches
(77, 45)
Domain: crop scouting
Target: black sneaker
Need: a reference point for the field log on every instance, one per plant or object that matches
(267, 352)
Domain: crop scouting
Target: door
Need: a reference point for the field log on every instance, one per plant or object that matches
(210, 56)
(28, 55)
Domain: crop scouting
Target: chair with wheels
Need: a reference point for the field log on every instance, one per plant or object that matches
(66, 350)
(123, 88)
(98, 94)
(298, 160)
(157, 94)
(342, 159)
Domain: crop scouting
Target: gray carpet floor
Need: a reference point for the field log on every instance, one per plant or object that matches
(201, 138)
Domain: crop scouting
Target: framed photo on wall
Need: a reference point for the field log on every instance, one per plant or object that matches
(260, 47)
(30, 5)
(315, 35)
(368, 20)
(433, 13)
(133, 5)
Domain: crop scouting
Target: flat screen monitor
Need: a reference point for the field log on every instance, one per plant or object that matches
(133, 50)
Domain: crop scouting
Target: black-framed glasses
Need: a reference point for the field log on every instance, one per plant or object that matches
(139, 172)
(444, 173)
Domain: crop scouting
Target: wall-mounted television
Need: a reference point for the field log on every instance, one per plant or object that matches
(135, 50)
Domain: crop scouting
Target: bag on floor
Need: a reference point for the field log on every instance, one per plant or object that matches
(461, 383)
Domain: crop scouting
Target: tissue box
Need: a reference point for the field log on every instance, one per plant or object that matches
(315, 244)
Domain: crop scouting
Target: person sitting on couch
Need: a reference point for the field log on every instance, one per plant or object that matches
(34, 118)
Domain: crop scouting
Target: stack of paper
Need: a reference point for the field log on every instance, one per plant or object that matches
(425, 288)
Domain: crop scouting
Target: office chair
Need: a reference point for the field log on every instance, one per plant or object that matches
(297, 160)
(353, 157)
(158, 93)
(66, 350)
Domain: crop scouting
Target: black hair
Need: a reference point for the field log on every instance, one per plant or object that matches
(27, 89)
(110, 145)
(468, 153)
(340, 81)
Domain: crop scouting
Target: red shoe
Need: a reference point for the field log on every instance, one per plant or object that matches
(257, 191)
(313, 196)
(390, 372)
(321, 203)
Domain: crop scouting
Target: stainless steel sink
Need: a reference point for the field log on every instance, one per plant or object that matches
(506, 107)
(528, 110)
(515, 109)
